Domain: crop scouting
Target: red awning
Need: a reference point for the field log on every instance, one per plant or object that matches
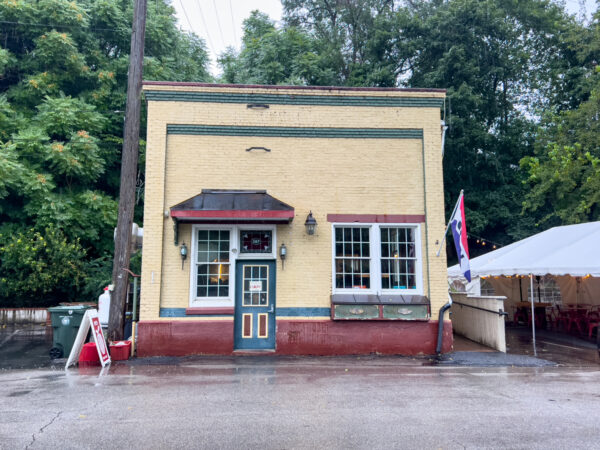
(232, 206)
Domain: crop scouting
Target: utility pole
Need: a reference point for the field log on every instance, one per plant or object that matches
(129, 159)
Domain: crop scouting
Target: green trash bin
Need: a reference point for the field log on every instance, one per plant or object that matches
(65, 325)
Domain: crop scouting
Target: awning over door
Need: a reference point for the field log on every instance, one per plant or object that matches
(232, 206)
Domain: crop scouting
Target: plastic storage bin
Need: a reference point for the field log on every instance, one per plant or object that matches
(120, 350)
(65, 325)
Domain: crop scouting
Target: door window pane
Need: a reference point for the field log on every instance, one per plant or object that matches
(255, 286)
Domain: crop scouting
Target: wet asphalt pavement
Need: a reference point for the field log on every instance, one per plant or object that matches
(299, 402)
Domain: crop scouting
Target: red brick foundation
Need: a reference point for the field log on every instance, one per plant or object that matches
(179, 338)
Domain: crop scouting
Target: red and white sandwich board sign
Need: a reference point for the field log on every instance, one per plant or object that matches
(90, 319)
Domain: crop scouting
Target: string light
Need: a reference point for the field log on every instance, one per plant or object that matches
(483, 242)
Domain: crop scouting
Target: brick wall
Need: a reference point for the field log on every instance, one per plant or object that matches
(327, 176)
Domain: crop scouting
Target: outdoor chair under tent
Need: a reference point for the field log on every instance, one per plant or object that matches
(568, 255)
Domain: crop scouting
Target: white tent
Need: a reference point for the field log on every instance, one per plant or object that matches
(569, 253)
(569, 250)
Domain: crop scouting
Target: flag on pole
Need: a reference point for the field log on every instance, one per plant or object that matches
(459, 232)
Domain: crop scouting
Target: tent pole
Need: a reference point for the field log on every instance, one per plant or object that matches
(532, 313)
(520, 289)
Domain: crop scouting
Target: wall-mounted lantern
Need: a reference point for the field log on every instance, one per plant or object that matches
(310, 224)
(282, 253)
(183, 251)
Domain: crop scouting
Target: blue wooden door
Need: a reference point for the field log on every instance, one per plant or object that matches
(255, 305)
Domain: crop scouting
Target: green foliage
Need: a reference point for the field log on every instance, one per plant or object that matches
(271, 56)
(503, 63)
(566, 185)
(63, 80)
(39, 268)
(98, 275)
(564, 175)
(361, 42)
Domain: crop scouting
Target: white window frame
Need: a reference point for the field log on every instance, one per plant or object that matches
(375, 259)
(234, 255)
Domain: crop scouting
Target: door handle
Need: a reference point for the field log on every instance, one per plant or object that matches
(272, 309)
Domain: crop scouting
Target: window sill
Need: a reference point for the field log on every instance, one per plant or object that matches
(384, 307)
(209, 311)
(383, 299)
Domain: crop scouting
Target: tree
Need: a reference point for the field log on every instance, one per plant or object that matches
(362, 41)
(39, 268)
(564, 175)
(502, 63)
(63, 71)
(496, 60)
(271, 56)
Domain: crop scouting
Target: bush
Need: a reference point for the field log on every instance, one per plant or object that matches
(39, 269)
(98, 275)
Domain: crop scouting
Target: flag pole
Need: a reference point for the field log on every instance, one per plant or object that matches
(532, 313)
(448, 226)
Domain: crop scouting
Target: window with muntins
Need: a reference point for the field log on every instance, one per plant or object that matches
(352, 258)
(377, 257)
(398, 258)
(212, 263)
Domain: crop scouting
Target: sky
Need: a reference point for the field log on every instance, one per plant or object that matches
(219, 22)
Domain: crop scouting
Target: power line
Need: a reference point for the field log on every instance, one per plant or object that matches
(233, 22)
(212, 47)
(186, 16)
(219, 23)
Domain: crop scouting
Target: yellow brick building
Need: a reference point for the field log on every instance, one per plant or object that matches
(234, 177)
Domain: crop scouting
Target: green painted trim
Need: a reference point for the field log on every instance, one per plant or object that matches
(296, 132)
(287, 99)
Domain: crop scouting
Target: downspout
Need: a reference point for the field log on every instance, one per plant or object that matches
(443, 309)
(444, 128)
(438, 348)
(447, 306)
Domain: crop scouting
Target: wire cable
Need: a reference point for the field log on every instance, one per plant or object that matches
(233, 22)
(186, 16)
(210, 43)
(219, 23)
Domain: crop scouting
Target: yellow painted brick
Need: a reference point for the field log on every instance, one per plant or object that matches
(327, 176)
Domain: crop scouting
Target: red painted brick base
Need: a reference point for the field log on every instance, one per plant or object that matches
(179, 338)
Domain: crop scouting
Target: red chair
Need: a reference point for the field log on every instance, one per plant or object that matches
(520, 316)
(539, 318)
(562, 317)
(593, 321)
(552, 317)
(576, 317)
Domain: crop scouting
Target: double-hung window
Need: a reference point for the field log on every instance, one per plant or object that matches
(377, 258)
(213, 264)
